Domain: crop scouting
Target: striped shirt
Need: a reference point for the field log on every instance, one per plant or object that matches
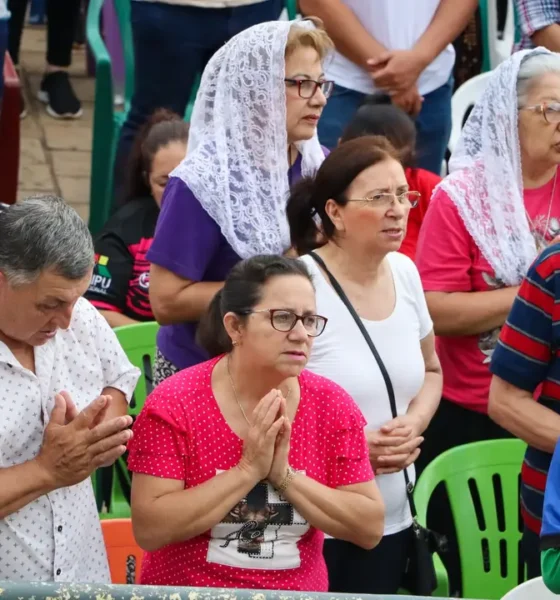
(527, 356)
(534, 15)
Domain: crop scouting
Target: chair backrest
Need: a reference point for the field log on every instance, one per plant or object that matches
(482, 483)
(534, 589)
(139, 343)
(122, 9)
(462, 102)
(497, 45)
(124, 554)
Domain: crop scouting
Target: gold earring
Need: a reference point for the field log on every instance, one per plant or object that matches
(234, 343)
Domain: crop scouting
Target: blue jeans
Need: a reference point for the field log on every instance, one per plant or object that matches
(3, 46)
(172, 45)
(433, 124)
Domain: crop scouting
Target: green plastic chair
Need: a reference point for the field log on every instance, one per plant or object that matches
(113, 484)
(482, 482)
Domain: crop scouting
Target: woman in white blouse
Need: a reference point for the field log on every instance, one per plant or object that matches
(361, 199)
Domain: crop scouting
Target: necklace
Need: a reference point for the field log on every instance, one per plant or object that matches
(235, 392)
(542, 244)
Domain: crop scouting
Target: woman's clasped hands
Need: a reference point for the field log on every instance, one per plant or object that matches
(395, 446)
(267, 445)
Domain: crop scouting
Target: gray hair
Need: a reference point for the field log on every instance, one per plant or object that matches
(40, 233)
(532, 67)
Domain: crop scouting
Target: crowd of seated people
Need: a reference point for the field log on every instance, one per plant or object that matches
(333, 317)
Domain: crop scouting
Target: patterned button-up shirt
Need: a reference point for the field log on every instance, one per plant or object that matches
(58, 536)
(534, 15)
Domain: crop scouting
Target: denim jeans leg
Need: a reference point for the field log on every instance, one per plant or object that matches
(433, 127)
(338, 112)
(3, 48)
(172, 44)
(242, 17)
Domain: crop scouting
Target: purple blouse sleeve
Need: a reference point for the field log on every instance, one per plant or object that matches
(186, 237)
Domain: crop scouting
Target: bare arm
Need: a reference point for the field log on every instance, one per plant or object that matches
(163, 512)
(175, 299)
(549, 37)
(118, 406)
(354, 513)
(450, 20)
(516, 410)
(423, 407)
(469, 313)
(20, 485)
(351, 38)
(116, 319)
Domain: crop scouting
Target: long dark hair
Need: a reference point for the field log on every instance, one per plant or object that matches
(242, 291)
(164, 127)
(310, 195)
(389, 121)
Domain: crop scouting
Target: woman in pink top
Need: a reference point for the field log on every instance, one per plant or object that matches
(486, 223)
(240, 463)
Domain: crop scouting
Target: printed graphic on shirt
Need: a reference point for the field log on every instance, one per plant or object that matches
(138, 299)
(260, 532)
(101, 278)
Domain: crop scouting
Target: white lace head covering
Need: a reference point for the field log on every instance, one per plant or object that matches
(485, 180)
(237, 157)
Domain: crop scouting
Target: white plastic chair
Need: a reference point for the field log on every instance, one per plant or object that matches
(534, 589)
(463, 99)
(497, 45)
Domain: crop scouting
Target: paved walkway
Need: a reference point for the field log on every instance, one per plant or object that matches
(55, 154)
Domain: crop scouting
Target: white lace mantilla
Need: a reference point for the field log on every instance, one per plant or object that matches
(237, 157)
(486, 183)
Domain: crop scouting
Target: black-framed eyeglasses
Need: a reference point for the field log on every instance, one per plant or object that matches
(549, 110)
(307, 88)
(285, 320)
(386, 199)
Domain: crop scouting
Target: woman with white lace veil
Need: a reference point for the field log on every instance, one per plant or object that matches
(253, 132)
(486, 223)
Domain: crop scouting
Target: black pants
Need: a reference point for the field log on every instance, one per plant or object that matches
(452, 426)
(353, 570)
(62, 19)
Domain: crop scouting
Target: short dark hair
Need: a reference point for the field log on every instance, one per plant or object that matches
(310, 195)
(163, 128)
(242, 291)
(388, 121)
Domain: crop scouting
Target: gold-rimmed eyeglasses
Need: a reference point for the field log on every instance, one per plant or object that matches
(549, 110)
(386, 199)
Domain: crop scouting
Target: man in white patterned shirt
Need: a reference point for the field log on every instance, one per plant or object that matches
(63, 398)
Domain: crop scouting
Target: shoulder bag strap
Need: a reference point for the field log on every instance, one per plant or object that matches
(390, 391)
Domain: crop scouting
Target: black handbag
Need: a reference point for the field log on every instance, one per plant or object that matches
(420, 574)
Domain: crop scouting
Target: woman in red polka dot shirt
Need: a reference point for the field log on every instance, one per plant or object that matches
(240, 463)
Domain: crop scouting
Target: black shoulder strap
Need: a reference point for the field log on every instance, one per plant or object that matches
(390, 391)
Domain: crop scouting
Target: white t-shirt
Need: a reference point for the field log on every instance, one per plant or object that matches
(342, 355)
(4, 14)
(398, 25)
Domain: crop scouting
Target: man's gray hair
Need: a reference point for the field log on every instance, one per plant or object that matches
(532, 67)
(43, 233)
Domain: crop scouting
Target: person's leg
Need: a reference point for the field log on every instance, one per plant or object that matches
(172, 44)
(3, 47)
(353, 570)
(243, 17)
(18, 8)
(338, 112)
(433, 127)
(56, 90)
(531, 553)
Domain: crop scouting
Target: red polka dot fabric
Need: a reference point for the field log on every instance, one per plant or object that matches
(263, 542)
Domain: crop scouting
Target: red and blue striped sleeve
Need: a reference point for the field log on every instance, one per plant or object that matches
(524, 351)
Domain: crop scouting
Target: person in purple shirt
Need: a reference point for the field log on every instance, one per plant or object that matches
(253, 132)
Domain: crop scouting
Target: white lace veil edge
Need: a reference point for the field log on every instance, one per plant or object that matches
(485, 181)
(237, 158)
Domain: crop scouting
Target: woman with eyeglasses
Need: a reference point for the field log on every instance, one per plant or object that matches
(361, 201)
(241, 462)
(487, 222)
(253, 133)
